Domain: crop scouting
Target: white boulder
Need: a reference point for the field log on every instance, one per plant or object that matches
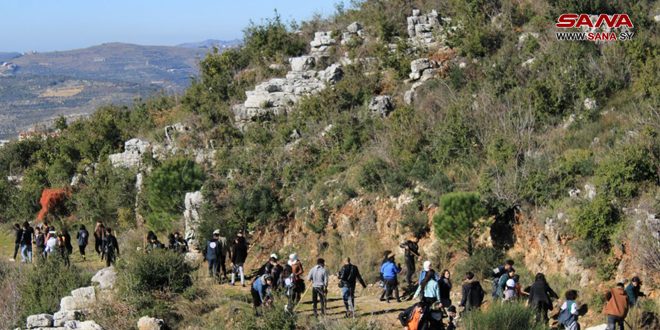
(39, 320)
(105, 278)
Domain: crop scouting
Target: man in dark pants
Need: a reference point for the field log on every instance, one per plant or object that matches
(212, 253)
(17, 241)
(110, 247)
(319, 278)
(349, 275)
(410, 253)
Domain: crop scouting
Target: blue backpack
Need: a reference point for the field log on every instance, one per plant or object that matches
(565, 316)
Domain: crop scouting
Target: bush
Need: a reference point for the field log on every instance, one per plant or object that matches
(458, 220)
(503, 316)
(41, 287)
(481, 263)
(620, 174)
(596, 221)
(273, 318)
(415, 221)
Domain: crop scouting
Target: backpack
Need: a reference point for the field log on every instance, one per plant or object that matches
(415, 318)
(565, 316)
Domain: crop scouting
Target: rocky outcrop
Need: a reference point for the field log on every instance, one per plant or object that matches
(381, 105)
(39, 321)
(353, 32)
(134, 150)
(62, 317)
(150, 323)
(80, 299)
(321, 44)
(193, 203)
(427, 30)
(105, 278)
(82, 325)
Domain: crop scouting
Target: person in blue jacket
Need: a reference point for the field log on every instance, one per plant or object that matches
(260, 292)
(389, 272)
(633, 290)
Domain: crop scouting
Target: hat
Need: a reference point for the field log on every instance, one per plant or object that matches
(293, 256)
(427, 265)
(511, 283)
(216, 232)
(390, 256)
(274, 256)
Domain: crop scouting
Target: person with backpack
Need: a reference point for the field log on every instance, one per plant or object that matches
(426, 266)
(569, 312)
(82, 237)
(633, 290)
(349, 275)
(51, 242)
(18, 232)
(260, 292)
(510, 293)
(319, 278)
(501, 284)
(473, 293)
(429, 289)
(616, 307)
(99, 232)
(238, 256)
(40, 242)
(540, 297)
(498, 272)
(445, 288)
(294, 282)
(410, 253)
(26, 242)
(212, 254)
(389, 272)
(411, 317)
(110, 247)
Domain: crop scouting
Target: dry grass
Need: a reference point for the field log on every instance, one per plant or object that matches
(62, 92)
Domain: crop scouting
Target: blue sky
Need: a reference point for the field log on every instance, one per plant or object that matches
(47, 25)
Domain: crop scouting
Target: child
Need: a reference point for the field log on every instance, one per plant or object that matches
(510, 293)
(568, 313)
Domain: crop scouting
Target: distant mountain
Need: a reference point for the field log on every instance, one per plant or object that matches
(210, 43)
(37, 87)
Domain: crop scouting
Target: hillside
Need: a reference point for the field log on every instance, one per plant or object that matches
(467, 127)
(110, 73)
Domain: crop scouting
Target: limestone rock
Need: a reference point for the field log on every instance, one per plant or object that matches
(39, 320)
(421, 28)
(82, 325)
(134, 149)
(150, 323)
(105, 278)
(80, 299)
(590, 191)
(60, 318)
(193, 203)
(321, 43)
(418, 66)
(85, 294)
(381, 105)
(590, 104)
(302, 63)
(354, 27)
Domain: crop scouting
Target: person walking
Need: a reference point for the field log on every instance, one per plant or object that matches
(294, 281)
(238, 256)
(224, 252)
(410, 254)
(62, 247)
(51, 242)
(260, 292)
(498, 272)
(18, 232)
(349, 275)
(40, 242)
(111, 247)
(389, 272)
(319, 278)
(82, 237)
(633, 290)
(26, 242)
(212, 254)
(501, 285)
(569, 312)
(445, 288)
(540, 297)
(473, 293)
(99, 232)
(67, 242)
(429, 290)
(616, 307)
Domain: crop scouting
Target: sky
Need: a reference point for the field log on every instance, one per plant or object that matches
(49, 25)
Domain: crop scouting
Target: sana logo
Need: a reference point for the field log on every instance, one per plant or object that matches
(596, 28)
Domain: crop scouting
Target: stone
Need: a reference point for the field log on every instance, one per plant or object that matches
(332, 74)
(150, 323)
(82, 325)
(574, 193)
(526, 35)
(68, 303)
(39, 320)
(590, 191)
(80, 299)
(60, 318)
(528, 62)
(85, 294)
(105, 278)
(302, 63)
(418, 66)
(354, 27)
(193, 203)
(590, 104)
(656, 18)
(132, 155)
(381, 105)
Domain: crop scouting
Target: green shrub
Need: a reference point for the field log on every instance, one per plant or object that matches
(596, 221)
(274, 317)
(43, 286)
(620, 174)
(503, 316)
(415, 221)
(459, 219)
(481, 263)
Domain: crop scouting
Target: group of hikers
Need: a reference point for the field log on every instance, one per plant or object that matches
(47, 241)
(175, 242)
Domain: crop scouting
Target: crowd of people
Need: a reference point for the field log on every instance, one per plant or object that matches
(44, 241)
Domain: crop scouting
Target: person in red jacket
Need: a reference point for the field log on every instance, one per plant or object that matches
(616, 308)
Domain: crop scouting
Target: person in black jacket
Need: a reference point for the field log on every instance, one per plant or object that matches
(17, 241)
(212, 253)
(110, 246)
(473, 293)
(238, 256)
(82, 237)
(445, 288)
(540, 297)
(410, 253)
(349, 275)
(40, 242)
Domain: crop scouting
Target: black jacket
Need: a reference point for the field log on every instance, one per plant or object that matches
(349, 275)
(111, 244)
(212, 250)
(473, 294)
(19, 235)
(239, 251)
(26, 238)
(540, 295)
